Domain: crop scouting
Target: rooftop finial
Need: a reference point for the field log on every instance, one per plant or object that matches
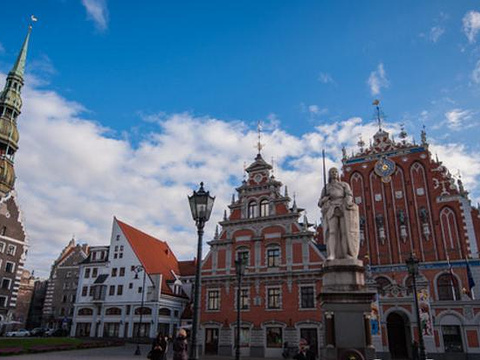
(403, 134)
(423, 136)
(378, 113)
(360, 143)
(259, 131)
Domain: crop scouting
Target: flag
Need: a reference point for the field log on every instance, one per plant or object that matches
(471, 282)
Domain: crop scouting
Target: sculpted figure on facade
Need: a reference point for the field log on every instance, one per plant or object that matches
(340, 218)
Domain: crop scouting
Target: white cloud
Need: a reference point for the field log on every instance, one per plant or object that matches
(471, 25)
(458, 119)
(74, 175)
(378, 80)
(326, 78)
(97, 11)
(476, 73)
(435, 33)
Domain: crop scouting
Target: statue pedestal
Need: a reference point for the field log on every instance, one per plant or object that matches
(346, 307)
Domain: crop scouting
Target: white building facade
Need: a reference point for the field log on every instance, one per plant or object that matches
(113, 280)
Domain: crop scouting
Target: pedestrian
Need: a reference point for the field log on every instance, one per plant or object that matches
(304, 352)
(180, 346)
(159, 346)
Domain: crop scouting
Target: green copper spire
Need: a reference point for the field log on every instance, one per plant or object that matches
(19, 67)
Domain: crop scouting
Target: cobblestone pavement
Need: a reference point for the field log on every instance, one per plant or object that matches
(118, 352)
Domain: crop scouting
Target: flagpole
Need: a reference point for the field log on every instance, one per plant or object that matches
(452, 285)
(470, 279)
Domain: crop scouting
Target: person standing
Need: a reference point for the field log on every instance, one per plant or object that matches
(180, 346)
(304, 352)
(159, 346)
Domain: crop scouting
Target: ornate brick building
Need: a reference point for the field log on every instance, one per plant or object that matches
(410, 203)
(278, 292)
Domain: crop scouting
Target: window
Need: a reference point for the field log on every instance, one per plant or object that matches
(274, 337)
(307, 297)
(94, 255)
(6, 283)
(9, 266)
(72, 298)
(122, 271)
(87, 273)
(130, 285)
(213, 300)
(113, 311)
(94, 272)
(114, 272)
(120, 255)
(85, 312)
(132, 268)
(273, 298)
(145, 311)
(121, 247)
(139, 289)
(111, 290)
(447, 287)
(84, 290)
(11, 250)
(164, 312)
(115, 255)
(2, 247)
(244, 256)
(452, 338)
(252, 209)
(273, 257)
(117, 238)
(244, 299)
(244, 337)
(116, 247)
(69, 274)
(64, 299)
(4, 231)
(120, 290)
(92, 291)
(264, 208)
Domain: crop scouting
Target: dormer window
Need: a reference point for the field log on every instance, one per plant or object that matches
(264, 208)
(252, 209)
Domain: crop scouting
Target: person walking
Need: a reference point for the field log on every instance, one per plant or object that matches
(159, 346)
(304, 352)
(180, 346)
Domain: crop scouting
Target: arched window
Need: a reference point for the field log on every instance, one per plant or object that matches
(85, 312)
(252, 209)
(146, 311)
(113, 311)
(164, 312)
(447, 287)
(382, 283)
(264, 209)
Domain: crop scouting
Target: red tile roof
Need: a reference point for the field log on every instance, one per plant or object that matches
(155, 255)
(188, 267)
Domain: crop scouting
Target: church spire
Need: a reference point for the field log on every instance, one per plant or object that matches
(19, 67)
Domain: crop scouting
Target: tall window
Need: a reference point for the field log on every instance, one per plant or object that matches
(264, 209)
(252, 209)
(6, 283)
(9, 266)
(3, 301)
(447, 287)
(87, 273)
(452, 338)
(114, 272)
(273, 257)
(243, 255)
(307, 297)
(84, 290)
(274, 298)
(111, 290)
(94, 272)
(120, 290)
(213, 300)
(244, 299)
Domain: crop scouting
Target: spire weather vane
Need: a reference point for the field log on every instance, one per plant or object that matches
(379, 116)
(259, 145)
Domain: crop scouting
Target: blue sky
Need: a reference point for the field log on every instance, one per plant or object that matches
(134, 77)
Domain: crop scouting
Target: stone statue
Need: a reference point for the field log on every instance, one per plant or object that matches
(339, 218)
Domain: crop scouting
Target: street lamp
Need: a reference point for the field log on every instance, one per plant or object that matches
(138, 269)
(240, 270)
(412, 266)
(201, 204)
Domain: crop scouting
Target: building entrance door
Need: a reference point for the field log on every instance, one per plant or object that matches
(311, 336)
(211, 341)
(399, 338)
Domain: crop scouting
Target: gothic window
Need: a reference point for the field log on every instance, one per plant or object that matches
(252, 209)
(447, 287)
(264, 208)
(382, 283)
(273, 257)
(307, 297)
(213, 300)
(449, 227)
(274, 298)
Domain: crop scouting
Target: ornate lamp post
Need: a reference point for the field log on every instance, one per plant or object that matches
(240, 270)
(201, 204)
(412, 266)
(138, 269)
